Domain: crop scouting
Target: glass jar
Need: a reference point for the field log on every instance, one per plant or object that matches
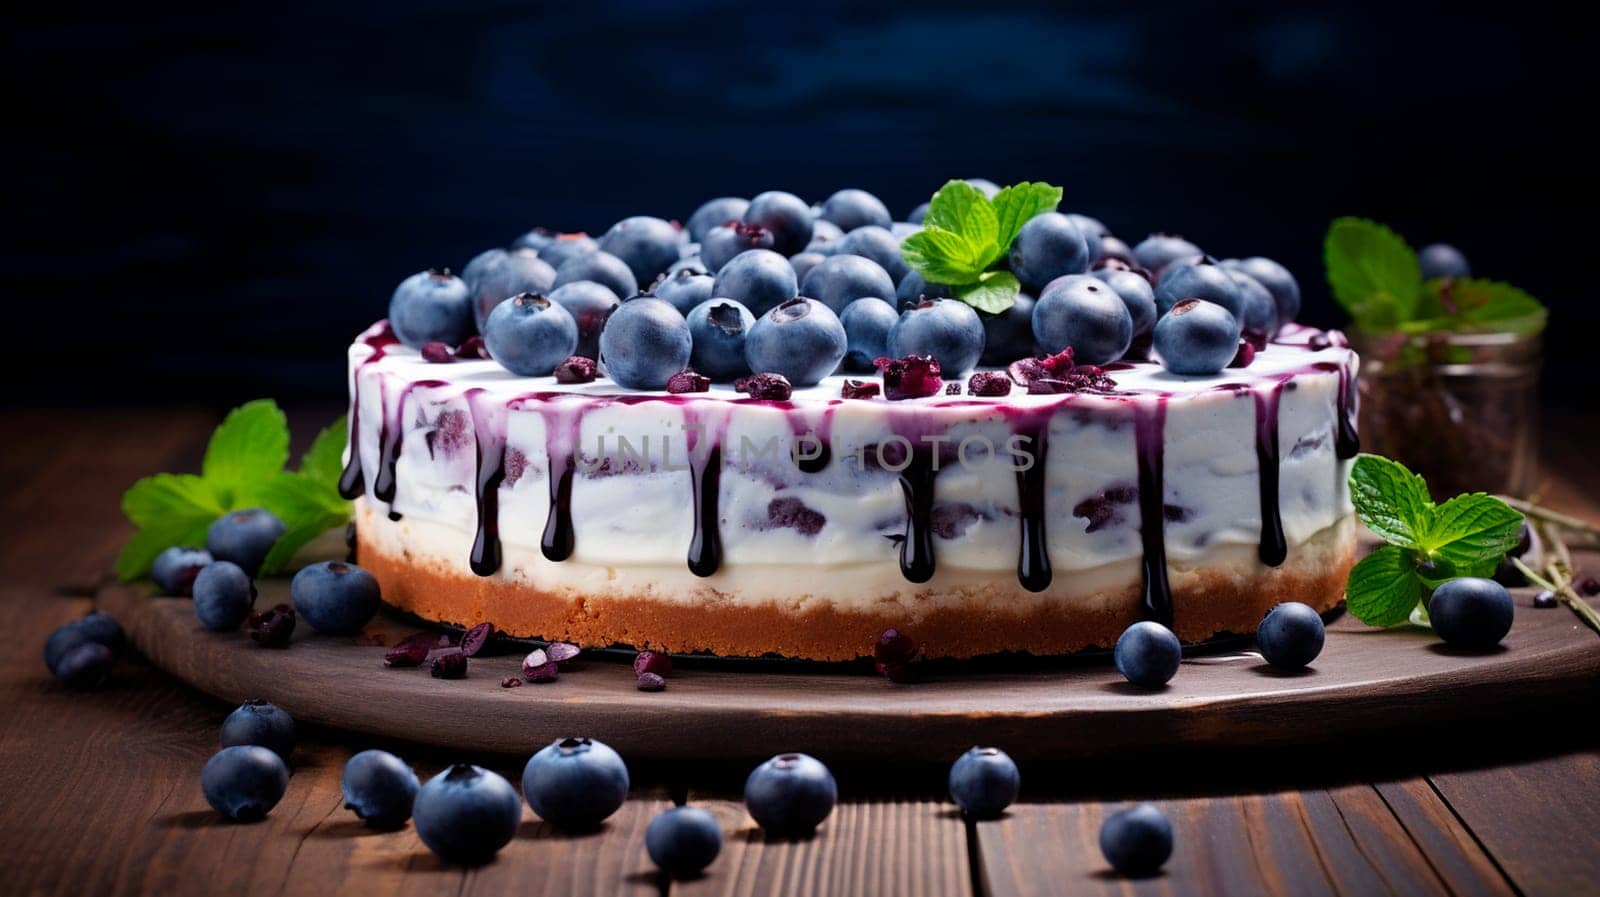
(1461, 409)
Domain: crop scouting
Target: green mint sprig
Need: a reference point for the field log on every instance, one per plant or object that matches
(1374, 274)
(243, 468)
(965, 234)
(1465, 536)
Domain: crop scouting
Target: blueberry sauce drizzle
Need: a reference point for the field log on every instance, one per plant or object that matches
(557, 541)
(705, 549)
(1346, 444)
(820, 437)
(391, 439)
(352, 481)
(491, 467)
(1033, 559)
(916, 481)
(1149, 436)
(1274, 548)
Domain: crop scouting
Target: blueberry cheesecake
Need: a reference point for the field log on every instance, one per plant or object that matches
(741, 460)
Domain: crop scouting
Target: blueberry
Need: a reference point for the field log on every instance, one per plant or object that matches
(1470, 613)
(842, 279)
(1205, 281)
(647, 245)
(1159, 250)
(985, 186)
(983, 782)
(851, 209)
(85, 665)
(717, 328)
(244, 782)
(1507, 574)
(431, 306)
(1113, 248)
(260, 723)
(529, 335)
(692, 263)
(1290, 636)
(575, 783)
(725, 241)
(466, 814)
(1047, 247)
(589, 304)
(878, 244)
(714, 212)
(1276, 278)
(1442, 260)
(683, 841)
(1258, 312)
(867, 323)
(759, 278)
(914, 287)
(1093, 230)
(1148, 653)
(1196, 338)
(511, 273)
(174, 569)
(804, 263)
(1082, 312)
(801, 339)
(98, 628)
(602, 268)
(223, 596)
(335, 597)
(1008, 335)
(786, 216)
(380, 787)
(244, 537)
(1136, 841)
(918, 213)
(825, 238)
(535, 239)
(947, 329)
(1136, 293)
(566, 247)
(790, 795)
(644, 342)
(685, 289)
(903, 229)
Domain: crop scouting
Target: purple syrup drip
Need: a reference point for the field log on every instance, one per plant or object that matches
(557, 541)
(391, 440)
(490, 451)
(352, 482)
(1346, 443)
(1274, 548)
(916, 481)
(705, 549)
(823, 435)
(1033, 560)
(1149, 435)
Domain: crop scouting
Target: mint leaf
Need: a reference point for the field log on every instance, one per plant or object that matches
(1471, 304)
(994, 292)
(1372, 272)
(942, 256)
(1392, 501)
(251, 444)
(165, 497)
(963, 210)
(1383, 587)
(324, 460)
(1018, 203)
(300, 502)
(1474, 529)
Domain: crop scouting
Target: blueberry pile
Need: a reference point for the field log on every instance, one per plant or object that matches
(776, 285)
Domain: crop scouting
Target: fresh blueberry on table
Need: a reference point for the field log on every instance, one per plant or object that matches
(1196, 338)
(1083, 312)
(878, 244)
(511, 273)
(1258, 312)
(260, 723)
(244, 537)
(98, 628)
(1291, 635)
(801, 339)
(1276, 278)
(529, 335)
(790, 795)
(1205, 281)
(851, 209)
(714, 212)
(1470, 613)
(727, 240)
(601, 267)
(683, 841)
(759, 278)
(85, 665)
(1147, 654)
(947, 329)
(335, 597)
(1047, 247)
(465, 814)
(718, 328)
(1136, 841)
(866, 323)
(983, 782)
(575, 783)
(564, 248)
(1136, 293)
(175, 568)
(589, 304)
(684, 289)
(646, 244)
(381, 788)
(1442, 260)
(645, 341)
(244, 782)
(431, 306)
(786, 216)
(842, 279)
(1157, 251)
(223, 596)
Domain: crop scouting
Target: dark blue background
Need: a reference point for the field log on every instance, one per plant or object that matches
(209, 202)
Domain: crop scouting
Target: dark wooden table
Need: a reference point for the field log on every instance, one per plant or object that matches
(99, 792)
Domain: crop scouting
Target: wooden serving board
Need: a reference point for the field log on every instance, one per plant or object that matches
(1364, 680)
